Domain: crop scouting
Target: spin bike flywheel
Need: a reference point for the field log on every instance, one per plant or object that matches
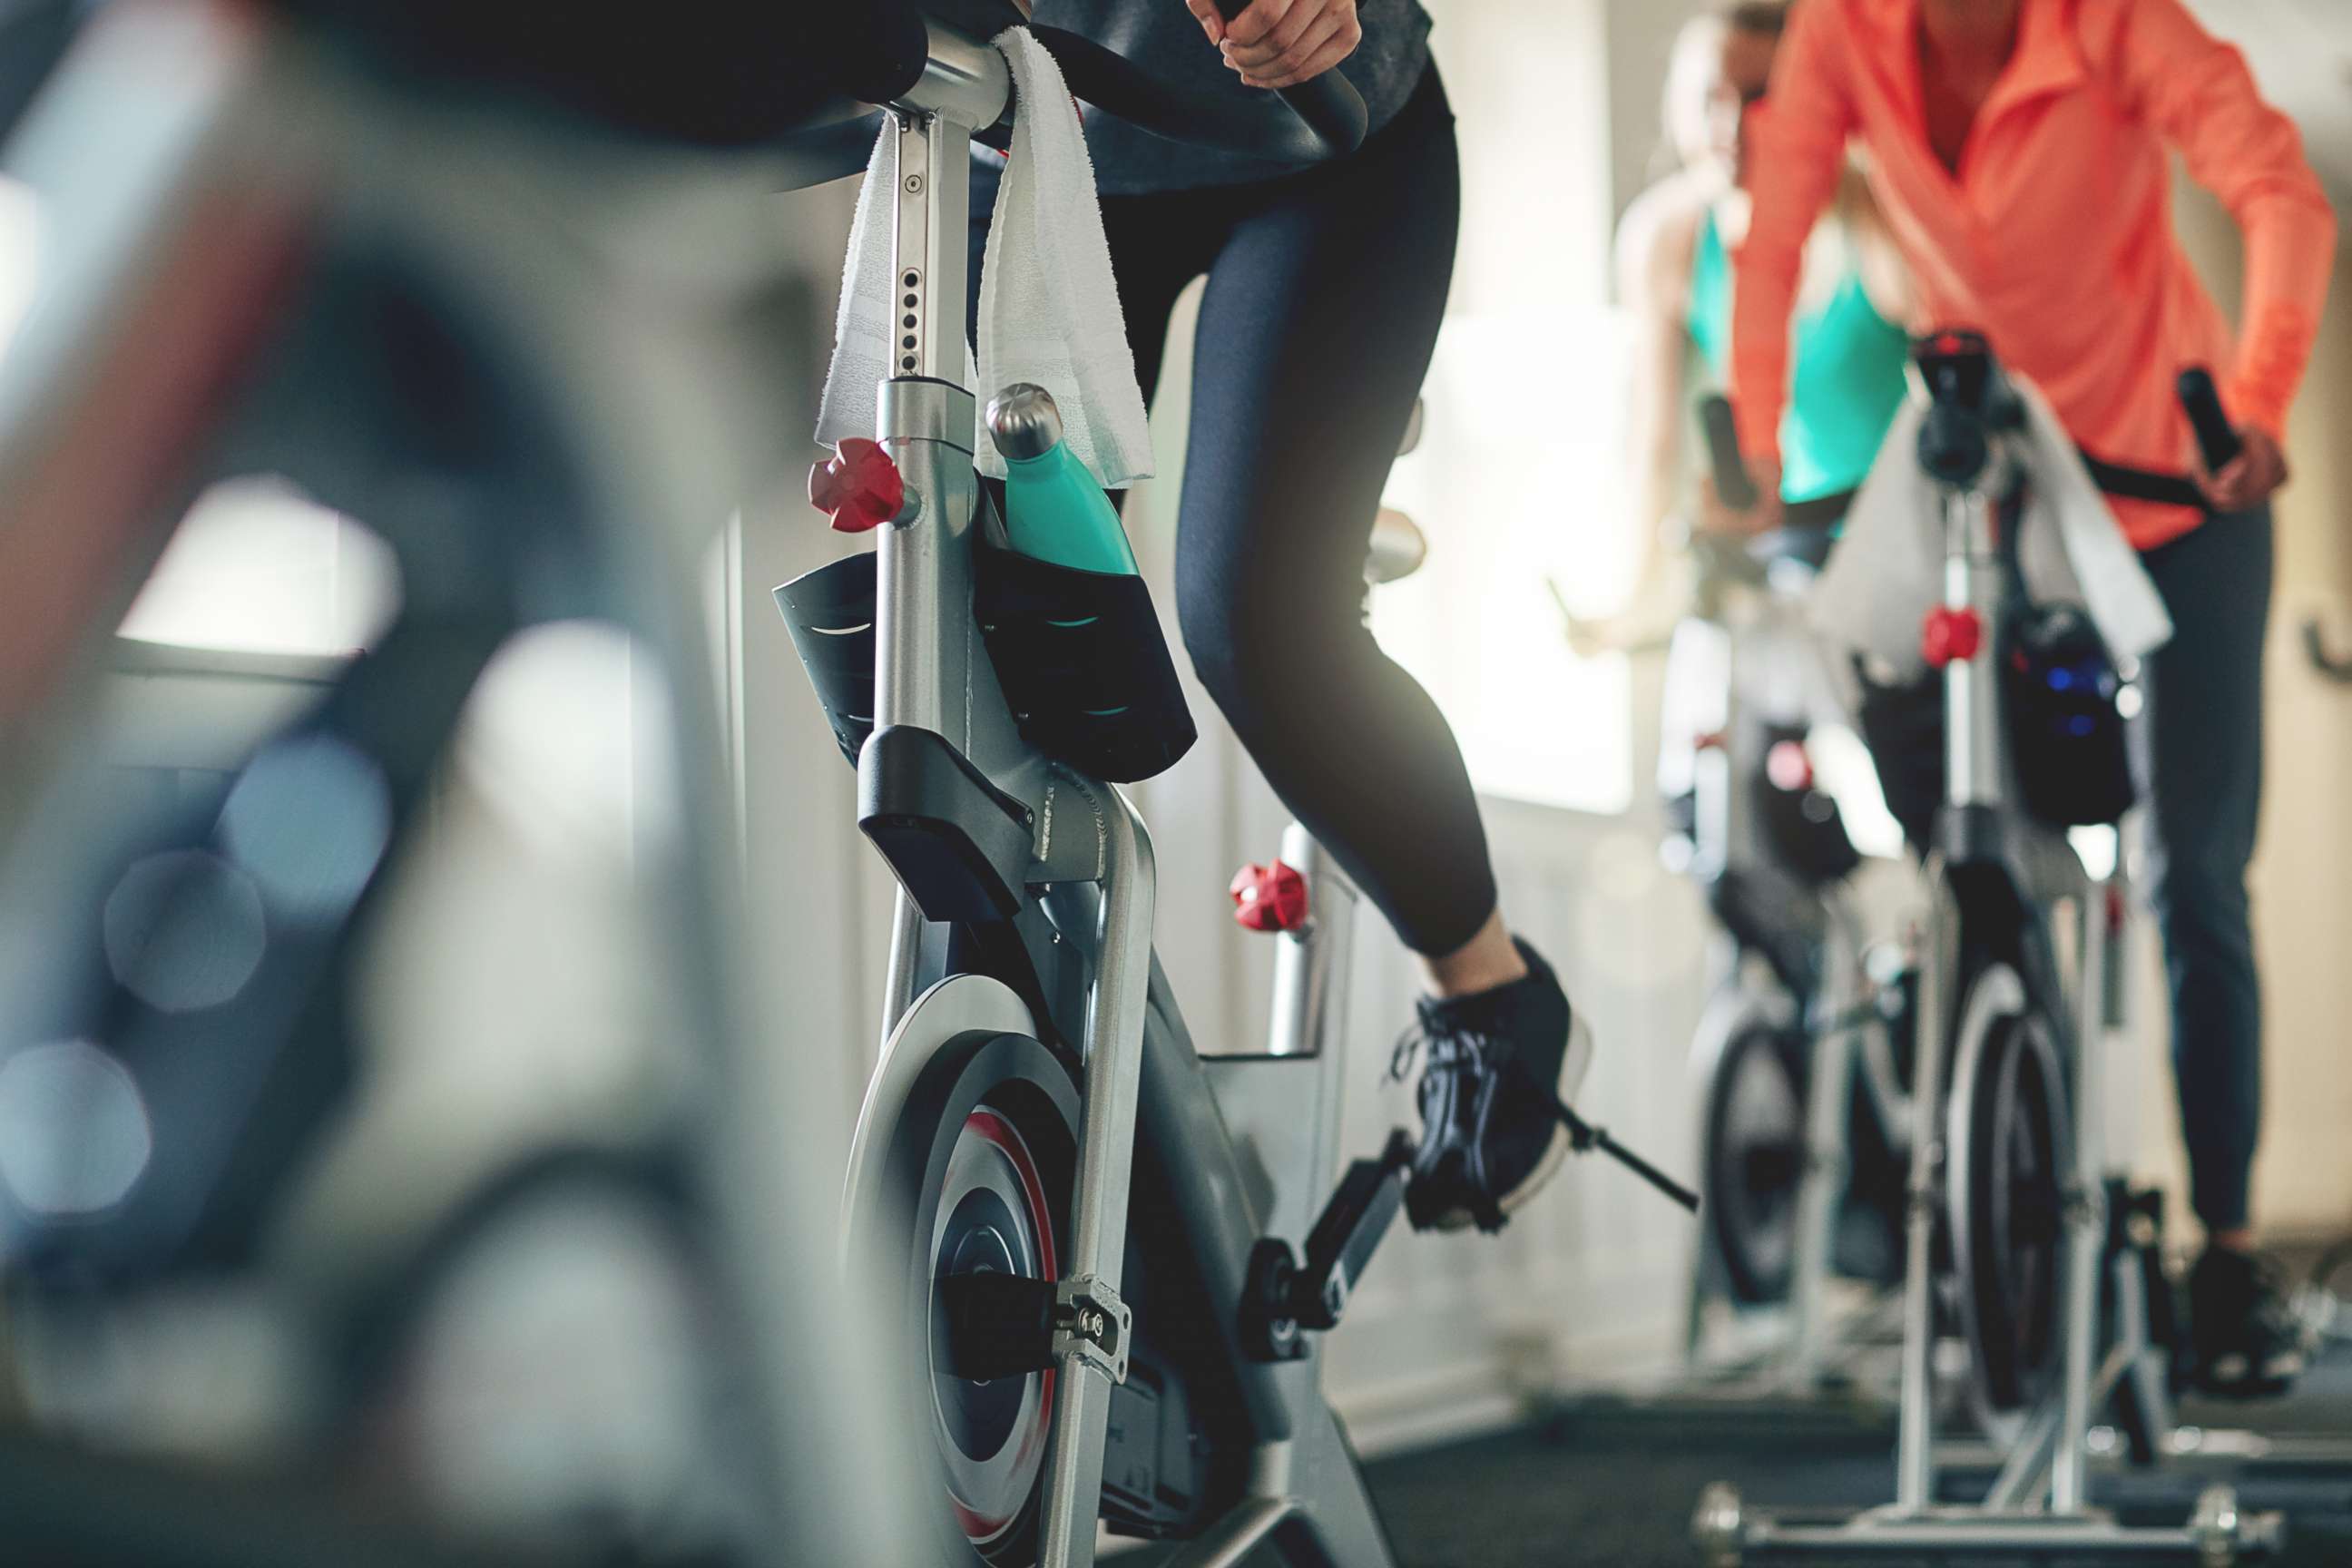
(2007, 1132)
(1755, 1157)
(983, 1161)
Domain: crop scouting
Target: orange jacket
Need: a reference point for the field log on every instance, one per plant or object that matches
(2055, 238)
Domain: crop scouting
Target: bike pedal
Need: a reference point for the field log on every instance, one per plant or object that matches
(1585, 1138)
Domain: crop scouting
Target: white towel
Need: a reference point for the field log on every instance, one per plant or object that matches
(862, 335)
(1888, 569)
(1048, 306)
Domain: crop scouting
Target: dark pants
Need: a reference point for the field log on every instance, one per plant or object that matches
(2198, 754)
(1324, 297)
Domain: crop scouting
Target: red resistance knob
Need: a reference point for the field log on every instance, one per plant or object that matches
(1270, 898)
(861, 488)
(1950, 635)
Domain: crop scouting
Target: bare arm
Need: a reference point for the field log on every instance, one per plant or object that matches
(1800, 154)
(1886, 276)
(1654, 247)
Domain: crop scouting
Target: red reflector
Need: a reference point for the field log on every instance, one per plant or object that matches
(1270, 898)
(1788, 766)
(1950, 635)
(861, 488)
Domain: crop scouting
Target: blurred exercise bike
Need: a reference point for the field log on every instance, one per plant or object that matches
(1800, 1064)
(505, 292)
(2041, 1270)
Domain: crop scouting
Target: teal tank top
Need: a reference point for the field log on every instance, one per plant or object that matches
(1848, 379)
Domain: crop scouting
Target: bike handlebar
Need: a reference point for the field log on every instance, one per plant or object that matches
(1733, 482)
(1328, 105)
(2217, 439)
(1329, 112)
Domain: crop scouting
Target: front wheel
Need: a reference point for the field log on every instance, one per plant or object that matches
(2010, 1155)
(982, 1169)
(1755, 1157)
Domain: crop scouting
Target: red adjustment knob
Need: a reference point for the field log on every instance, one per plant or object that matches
(1270, 898)
(1950, 635)
(1788, 767)
(861, 488)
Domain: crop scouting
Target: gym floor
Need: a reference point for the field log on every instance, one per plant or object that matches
(1599, 1485)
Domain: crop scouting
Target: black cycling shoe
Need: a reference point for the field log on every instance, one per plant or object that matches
(1499, 1064)
(2248, 1341)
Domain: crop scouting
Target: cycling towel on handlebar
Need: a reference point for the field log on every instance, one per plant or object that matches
(1888, 570)
(1049, 308)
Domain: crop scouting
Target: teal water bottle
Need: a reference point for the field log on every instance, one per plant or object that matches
(1054, 512)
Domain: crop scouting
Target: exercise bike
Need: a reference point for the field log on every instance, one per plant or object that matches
(1089, 1224)
(2018, 1244)
(1800, 1063)
(504, 295)
(1802, 1058)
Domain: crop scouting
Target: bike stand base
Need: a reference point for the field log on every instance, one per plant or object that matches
(1729, 1535)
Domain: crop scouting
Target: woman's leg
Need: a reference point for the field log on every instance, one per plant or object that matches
(2204, 762)
(2203, 754)
(1297, 411)
(1315, 331)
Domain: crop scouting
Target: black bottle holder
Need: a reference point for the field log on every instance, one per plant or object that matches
(1084, 664)
(1079, 654)
(830, 613)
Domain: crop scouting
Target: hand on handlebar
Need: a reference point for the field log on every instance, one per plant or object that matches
(1281, 43)
(1716, 517)
(2248, 479)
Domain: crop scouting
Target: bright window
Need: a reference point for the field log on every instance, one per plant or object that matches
(1520, 479)
(258, 568)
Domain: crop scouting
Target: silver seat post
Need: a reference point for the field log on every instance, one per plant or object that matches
(1974, 751)
(926, 413)
(924, 419)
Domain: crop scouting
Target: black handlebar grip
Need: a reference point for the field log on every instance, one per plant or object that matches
(1328, 104)
(1333, 109)
(1733, 482)
(2217, 439)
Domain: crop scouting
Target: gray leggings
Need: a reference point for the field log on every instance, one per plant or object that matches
(2199, 756)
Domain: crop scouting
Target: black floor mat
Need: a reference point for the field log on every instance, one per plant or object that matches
(1598, 1487)
(1602, 1485)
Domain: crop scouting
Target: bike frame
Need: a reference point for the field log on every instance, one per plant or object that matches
(1767, 620)
(2038, 1504)
(1981, 830)
(1089, 926)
